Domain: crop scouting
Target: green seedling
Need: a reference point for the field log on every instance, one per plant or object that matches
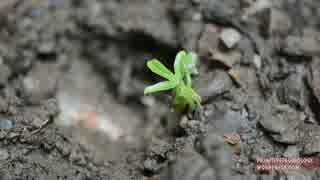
(179, 82)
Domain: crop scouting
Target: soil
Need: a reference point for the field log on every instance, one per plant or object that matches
(72, 75)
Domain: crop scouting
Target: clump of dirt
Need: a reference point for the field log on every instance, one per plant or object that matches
(72, 75)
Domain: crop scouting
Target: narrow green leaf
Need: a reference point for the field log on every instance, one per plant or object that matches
(161, 86)
(158, 68)
(178, 64)
(189, 93)
(189, 62)
(188, 80)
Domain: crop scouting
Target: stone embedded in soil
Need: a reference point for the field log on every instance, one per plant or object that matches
(230, 37)
(287, 137)
(46, 47)
(292, 91)
(227, 121)
(4, 154)
(280, 22)
(283, 123)
(306, 45)
(212, 85)
(6, 123)
(40, 83)
(257, 61)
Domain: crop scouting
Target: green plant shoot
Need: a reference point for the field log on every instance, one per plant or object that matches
(179, 82)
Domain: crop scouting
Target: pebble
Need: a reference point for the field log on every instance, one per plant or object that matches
(282, 124)
(307, 45)
(230, 37)
(227, 121)
(257, 61)
(280, 23)
(6, 124)
(292, 91)
(213, 85)
(36, 86)
(4, 155)
(46, 48)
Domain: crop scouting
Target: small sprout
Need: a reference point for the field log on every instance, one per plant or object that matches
(184, 97)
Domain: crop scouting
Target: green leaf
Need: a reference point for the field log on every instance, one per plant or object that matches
(189, 93)
(158, 68)
(178, 65)
(161, 86)
(190, 63)
(188, 80)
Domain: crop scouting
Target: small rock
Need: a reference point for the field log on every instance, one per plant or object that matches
(209, 39)
(307, 45)
(288, 136)
(280, 23)
(46, 48)
(257, 61)
(213, 85)
(230, 37)
(4, 155)
(228, 58)
(40, 83)
(6, 124)
(37, 121)
(292, 91)
(283, 123)
(227, 121)
(279, 121)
